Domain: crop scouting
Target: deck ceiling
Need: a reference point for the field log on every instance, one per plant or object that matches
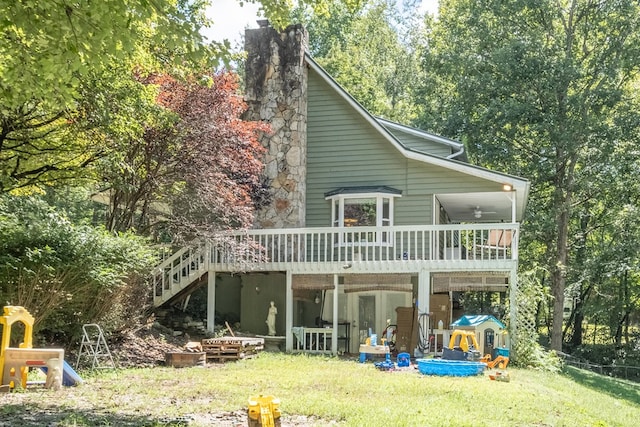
(354, 282)
(495, 206)
(486, 281)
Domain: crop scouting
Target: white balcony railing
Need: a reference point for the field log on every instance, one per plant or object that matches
(281, 248)
(320, 245)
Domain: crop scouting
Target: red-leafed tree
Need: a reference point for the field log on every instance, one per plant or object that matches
(196, 170)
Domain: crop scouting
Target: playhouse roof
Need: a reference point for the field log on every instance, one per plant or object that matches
(477, 320)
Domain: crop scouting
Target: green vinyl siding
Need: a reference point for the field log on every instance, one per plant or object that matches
(435, 179)
(346, 150)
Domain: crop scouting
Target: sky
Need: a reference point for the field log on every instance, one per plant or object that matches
(230, 19)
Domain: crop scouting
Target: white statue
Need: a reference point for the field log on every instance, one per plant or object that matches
(271, 319)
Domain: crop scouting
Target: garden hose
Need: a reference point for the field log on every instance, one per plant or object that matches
(423, 332)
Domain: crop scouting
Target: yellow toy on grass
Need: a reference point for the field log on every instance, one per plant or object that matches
(264, 411)
(16, 361)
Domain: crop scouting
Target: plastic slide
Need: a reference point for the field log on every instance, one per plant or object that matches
(69, 376)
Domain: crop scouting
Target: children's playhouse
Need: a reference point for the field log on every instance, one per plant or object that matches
(491, 333)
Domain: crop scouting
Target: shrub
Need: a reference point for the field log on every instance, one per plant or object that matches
(66, 274)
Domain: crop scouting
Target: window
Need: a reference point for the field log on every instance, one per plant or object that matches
(363, 209)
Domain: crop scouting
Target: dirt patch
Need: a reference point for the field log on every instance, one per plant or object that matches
(147, 346)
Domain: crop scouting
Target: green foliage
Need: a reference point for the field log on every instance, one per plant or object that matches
(530, 354)
(364, 50)
(65, 274)
(49, 47)
(280, 13)
(539, 89)
(45, 144)
(493, 303)
(603, 354)
(193, 167)
(528, 351)
(40, 146)
(608, 284)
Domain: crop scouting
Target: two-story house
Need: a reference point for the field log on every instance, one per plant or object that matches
(366, 216)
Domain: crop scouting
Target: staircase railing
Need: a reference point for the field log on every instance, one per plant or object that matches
(179, 271)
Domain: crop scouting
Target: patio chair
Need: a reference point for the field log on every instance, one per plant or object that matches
(497, 245)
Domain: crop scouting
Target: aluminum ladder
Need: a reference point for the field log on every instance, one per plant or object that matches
(94, 345)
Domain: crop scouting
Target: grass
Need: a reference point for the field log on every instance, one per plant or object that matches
(331, 391)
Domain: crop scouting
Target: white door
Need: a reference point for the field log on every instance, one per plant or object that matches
(370, 311)
(345, 331)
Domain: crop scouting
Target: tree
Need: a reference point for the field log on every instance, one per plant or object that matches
(198, 170)
(49, 48)
(605, 286)
(63, 77)
(40, 146)
(57, 58)
(43, 145)
(327, 31)
(533, 88)
(372, 51)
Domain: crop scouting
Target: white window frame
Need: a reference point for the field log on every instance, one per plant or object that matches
(366, 238)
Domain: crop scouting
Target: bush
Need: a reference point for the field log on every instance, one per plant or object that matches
(66, 274)
(608, 354)
(528, 351)
(530, 354)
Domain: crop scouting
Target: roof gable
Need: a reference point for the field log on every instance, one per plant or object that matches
(520, 185)
(424, 142)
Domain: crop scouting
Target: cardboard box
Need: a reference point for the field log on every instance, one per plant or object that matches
(440, 308)
(407, 332)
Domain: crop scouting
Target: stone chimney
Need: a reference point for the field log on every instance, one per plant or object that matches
(276, 93)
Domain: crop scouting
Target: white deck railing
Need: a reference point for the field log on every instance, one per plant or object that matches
(280, 249)
(312, 340)
(320, 245)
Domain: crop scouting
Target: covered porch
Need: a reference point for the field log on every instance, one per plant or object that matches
(347, 308)
(342, 268)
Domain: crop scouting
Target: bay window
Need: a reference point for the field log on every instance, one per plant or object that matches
(363, 207)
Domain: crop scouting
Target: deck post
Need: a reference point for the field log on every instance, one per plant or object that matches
(289, 313)
(211, 300)
(513, 312)
(334, 335)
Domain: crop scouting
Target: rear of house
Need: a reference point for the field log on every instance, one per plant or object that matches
(370, 222)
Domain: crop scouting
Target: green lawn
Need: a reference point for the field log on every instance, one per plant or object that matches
(329, 391)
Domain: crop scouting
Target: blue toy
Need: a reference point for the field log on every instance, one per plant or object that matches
(404, 359)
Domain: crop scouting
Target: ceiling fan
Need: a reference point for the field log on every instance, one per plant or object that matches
(477, 212)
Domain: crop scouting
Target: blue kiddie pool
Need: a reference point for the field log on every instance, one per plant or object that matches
(454, 368)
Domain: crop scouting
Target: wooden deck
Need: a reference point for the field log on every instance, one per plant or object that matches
(331, 250)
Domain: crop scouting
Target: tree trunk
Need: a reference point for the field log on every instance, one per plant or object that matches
(562, 203)
(578, 318)
(558, 284)
(625, 310)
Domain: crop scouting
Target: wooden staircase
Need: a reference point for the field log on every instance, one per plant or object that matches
(178, 273)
